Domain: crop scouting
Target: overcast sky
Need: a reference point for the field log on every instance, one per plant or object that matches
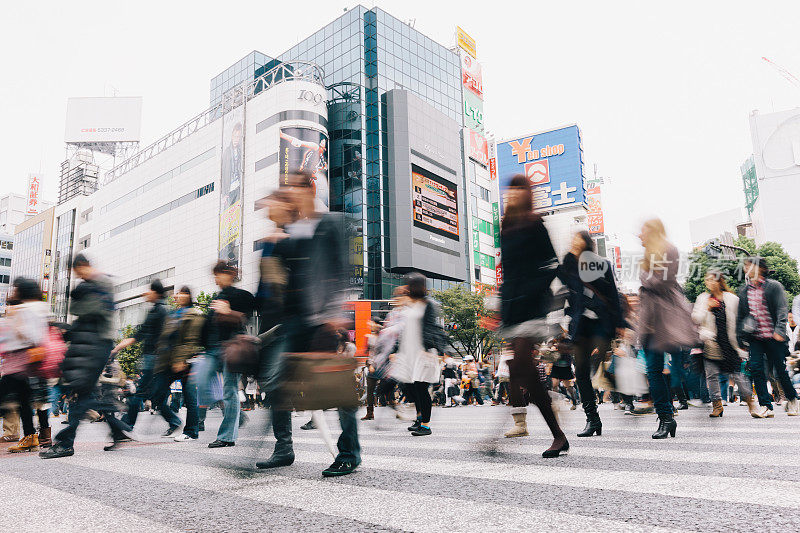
(662, 94)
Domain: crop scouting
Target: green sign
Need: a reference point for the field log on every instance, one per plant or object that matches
(496, 220)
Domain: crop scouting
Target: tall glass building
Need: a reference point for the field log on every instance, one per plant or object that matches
(365, 53)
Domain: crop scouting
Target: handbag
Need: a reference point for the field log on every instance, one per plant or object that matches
(55, 349)
(317, 380)
(711, 350)
(241, 354)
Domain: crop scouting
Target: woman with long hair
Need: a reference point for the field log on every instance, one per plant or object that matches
(665, 322)
(421, 345)
(595, 317)
(715, 313)
(529, 267)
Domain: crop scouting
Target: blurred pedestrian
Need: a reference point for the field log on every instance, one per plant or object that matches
(88, 354)
(22, 332)
(375, 326)
(180, 342)
(715, 313)
(761, 322)
(147, 334)
(665, 323)
(595, 317)
(228, 315)
(315, 255)
(422, 344)
(529, 267)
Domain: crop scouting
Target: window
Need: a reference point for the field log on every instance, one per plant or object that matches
(484, 194)
(3, 278)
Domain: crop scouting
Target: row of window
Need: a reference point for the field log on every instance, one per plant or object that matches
(483, 226)
(174, 204)
(486, 261)
(5, 261)
(4, 278)
(166, 176)
(144, 280)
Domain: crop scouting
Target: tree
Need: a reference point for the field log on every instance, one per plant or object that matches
(463, 311)
(201, 301)
(129, 357)
(783, 268)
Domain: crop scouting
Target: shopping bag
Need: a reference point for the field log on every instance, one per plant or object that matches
(318, 380)
(630, 376)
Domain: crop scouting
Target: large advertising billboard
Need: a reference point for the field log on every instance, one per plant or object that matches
(103, 119)
(230, 191)
(473, 111)
(465, 42)
(478, 148)
(594, 211)
(306, 150)
(552, 160)
(435, 203)
(471, 74)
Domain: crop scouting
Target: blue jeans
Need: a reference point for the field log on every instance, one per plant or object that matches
(229, 429)
(659, 386)
(161, 391)
(677, 370)
(774, 353)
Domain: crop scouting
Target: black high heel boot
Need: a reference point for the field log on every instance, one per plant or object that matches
(555, 451)
(666, 428)
(593, 425)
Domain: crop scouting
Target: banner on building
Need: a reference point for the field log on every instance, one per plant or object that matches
(230, 191)
(465, 42)
(306, 150)
(34, 194)
(478, 147)
(594, 210)
(471, 74)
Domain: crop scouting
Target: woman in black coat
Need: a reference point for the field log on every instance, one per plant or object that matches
(529, 267)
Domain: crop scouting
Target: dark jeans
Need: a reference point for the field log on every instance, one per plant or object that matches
(269, 382)
(422, 400)
(774, 353)
(585, 343)
(372, 383)
(18, 384)
(502, 387)
(143, 390)
(474, 393)
(386, 390)
(77, 410)
(659, 384)
(161, 391)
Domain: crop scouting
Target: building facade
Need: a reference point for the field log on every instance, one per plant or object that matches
(32, 256)
(6, 252)
(172, 213)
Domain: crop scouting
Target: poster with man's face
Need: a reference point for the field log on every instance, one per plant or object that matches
(230, 193)
(306, 150)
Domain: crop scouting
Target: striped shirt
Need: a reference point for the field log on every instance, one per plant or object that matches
(758, 308)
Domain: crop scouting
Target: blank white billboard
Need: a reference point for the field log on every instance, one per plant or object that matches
(776, 143)
(103, 119)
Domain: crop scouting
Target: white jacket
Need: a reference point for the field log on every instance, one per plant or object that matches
(708, 324)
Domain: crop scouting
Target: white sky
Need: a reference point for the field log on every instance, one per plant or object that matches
(662, 93)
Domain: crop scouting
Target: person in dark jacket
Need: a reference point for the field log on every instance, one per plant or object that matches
(761, 323)
(88, 353)
(228, 315)
(147, 334)
(595, 317)
(315, 255)
(179, 343)
(529, 267)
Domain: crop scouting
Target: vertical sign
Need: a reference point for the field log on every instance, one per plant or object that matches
(231, 178)
(465, 42)
(594, 209)
(496, 224)
(34, 194)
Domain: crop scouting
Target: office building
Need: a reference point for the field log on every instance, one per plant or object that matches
(6, 252)
(13, 211)
(32, 253)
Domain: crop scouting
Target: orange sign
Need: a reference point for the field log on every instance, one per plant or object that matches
(538, 172)
(34, 192)
(465, 42)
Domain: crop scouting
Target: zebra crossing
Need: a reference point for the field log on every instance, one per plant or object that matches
(733, 473)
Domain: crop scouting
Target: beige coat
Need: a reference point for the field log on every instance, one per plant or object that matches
(708, 324)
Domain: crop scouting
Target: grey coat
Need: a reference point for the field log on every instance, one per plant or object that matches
(665, 315)
(776, 304)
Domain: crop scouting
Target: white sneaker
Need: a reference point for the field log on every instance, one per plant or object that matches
(183, 437)
(765, 412)
(793, 407)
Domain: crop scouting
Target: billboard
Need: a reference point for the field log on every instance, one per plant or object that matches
(552, 160)
(478, 147)
(435, 203)
(465, 42)
(230, 191)
(471, 74)
(34, 194)
(473, 111)
(103, 119)
(306, 150)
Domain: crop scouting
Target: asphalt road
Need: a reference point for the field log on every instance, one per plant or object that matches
(728, 474)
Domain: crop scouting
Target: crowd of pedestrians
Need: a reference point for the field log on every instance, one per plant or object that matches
(584, 345)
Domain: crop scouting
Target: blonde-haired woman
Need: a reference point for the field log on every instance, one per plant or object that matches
(715, 312)
(665, 323)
